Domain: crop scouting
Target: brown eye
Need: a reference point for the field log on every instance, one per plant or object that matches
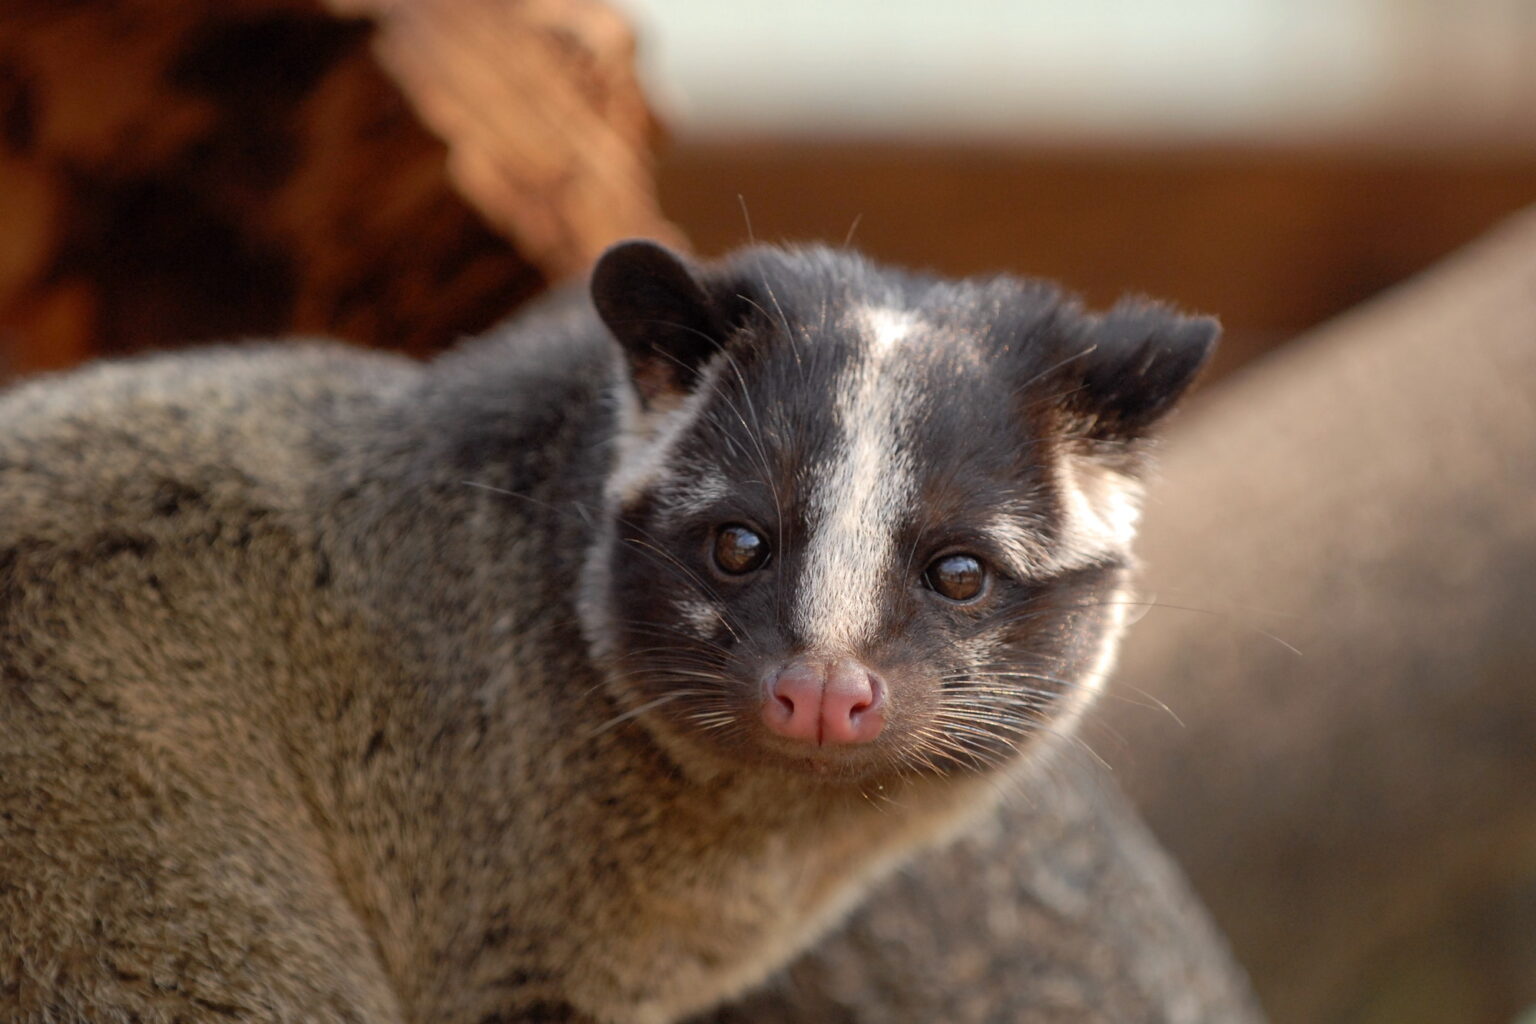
(957, 577)
(739, 550)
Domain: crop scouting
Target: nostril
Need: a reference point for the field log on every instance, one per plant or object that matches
(853, 707)
(863, 703)
(792, 700)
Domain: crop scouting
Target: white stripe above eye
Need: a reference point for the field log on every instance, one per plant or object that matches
(855, 508)
(696, 496)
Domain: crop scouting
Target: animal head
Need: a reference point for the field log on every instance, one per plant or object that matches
(869, 524)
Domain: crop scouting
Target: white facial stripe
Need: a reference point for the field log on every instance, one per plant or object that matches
(887, 328)
(853, 511)
(700, 616)
(1101, 510)
(1076, 700)
(697, 495)
(1022, 546)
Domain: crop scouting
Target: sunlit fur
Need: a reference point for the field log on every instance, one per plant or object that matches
(337, 687)
(867, 422)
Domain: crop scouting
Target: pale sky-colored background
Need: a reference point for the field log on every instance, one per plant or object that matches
(1171, 70)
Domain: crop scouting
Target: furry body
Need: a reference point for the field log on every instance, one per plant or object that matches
(329, 686)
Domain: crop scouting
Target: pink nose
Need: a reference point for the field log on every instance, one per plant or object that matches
(825, 703)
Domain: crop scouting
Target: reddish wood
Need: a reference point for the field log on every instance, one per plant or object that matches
(548, 132)
(175, 171)
(1271, 239)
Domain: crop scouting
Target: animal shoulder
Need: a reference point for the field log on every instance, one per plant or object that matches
(586, 673)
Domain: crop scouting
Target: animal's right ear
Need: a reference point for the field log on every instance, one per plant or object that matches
(654, 305)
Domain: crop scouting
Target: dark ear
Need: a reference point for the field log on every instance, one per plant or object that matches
(1144, 356)
(653, 304)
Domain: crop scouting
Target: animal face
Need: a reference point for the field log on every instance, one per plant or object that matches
(868, 524)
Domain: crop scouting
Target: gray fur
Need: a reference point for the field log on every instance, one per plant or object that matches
(297, 722)
(1344, 546)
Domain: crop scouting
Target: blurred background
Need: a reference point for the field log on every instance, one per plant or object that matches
(176, 171)
(405, 173)
(1272, 161)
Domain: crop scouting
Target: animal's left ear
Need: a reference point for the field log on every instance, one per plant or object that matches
(1142, 357)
